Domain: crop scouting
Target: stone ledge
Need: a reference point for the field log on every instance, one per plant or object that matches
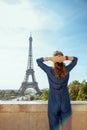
(38, 102)
(36, 106)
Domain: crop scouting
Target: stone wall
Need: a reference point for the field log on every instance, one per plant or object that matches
(33, 116)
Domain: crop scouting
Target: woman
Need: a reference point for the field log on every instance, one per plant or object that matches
(59, 108)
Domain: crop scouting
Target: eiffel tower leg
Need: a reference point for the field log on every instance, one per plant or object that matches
(22, 89)
(37, 88)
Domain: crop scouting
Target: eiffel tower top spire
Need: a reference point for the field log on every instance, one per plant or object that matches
(30, 59)
(30, 38)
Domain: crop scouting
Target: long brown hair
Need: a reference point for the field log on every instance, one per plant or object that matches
(59, 69)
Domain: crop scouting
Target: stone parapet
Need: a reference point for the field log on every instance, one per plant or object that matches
(33, 115)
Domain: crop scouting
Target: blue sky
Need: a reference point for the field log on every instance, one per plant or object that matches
(55, 25)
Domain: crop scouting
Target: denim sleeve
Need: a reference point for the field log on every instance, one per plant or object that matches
(41, 64)
(72, 64)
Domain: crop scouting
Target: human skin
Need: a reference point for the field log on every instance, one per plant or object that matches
(57, 58)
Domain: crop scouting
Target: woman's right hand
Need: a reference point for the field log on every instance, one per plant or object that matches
(58, 59)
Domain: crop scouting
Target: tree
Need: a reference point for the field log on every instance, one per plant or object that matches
(31, 98)
(44, 94)
(74, 89)
(82, 95)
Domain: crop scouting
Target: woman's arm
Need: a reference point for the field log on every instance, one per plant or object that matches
(63, 58)
(72, 64)
(58, 58)
(41, 64)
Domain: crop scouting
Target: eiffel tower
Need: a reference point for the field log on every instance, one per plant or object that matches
(29, 72)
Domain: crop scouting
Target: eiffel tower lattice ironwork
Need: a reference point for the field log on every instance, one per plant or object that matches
(29, 72)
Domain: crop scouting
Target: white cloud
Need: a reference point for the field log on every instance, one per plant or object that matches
(27, 15)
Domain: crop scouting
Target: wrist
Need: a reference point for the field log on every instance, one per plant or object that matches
(69, 58)
(66, 58)
(47, 58)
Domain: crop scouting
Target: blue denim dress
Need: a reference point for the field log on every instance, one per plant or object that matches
(59, 108)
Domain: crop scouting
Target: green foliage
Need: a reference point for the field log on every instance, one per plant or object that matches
(32, 98)
(37, 97)
(44, 94)
(74, 89)
(82, 95)
(8, 93)
(77, 90)
(2, 93)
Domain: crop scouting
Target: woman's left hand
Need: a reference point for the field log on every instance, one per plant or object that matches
(58, 59)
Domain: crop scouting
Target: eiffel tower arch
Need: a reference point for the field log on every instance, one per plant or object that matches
(29, 72)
